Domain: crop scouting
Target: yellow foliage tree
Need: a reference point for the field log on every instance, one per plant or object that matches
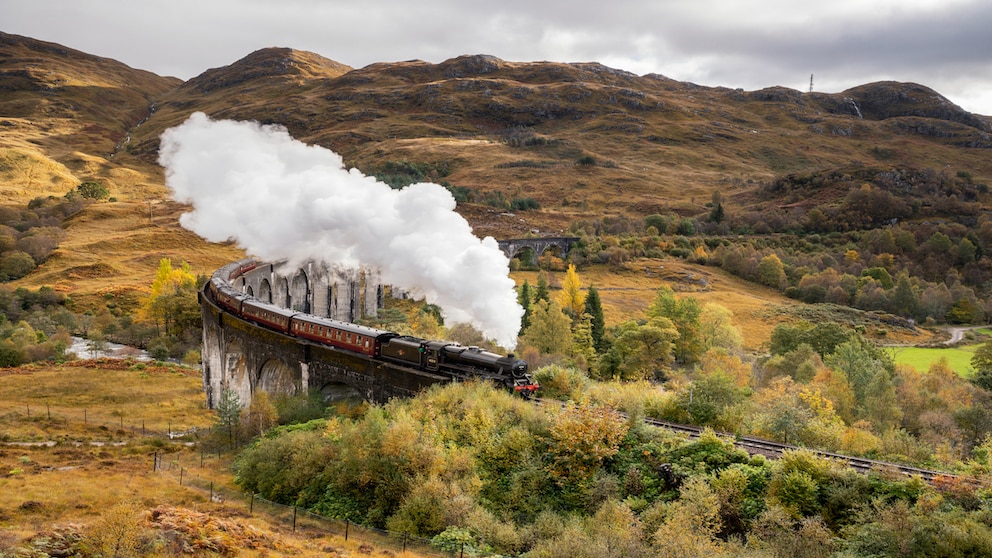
(172, 300)
(719, 360)
(571, 297)
(582, 437)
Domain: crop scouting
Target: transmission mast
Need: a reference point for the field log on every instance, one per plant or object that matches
(811, 83)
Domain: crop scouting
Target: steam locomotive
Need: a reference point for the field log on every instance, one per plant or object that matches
(439, 357)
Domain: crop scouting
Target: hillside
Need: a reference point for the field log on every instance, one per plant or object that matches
(588, 143)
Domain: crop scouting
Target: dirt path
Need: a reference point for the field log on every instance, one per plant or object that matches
(957, 333)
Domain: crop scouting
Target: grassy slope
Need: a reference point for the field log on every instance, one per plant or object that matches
(112, 250)
(626, 294)
(96, 464)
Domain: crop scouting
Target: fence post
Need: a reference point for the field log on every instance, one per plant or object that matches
(122, 421)
(294, 518)
(29, 410)
(211, 491)
(49, 409)
(142, 427)
(461, 553)
(181, 471)
(347, 523)
(405, 535)
(155, 461)
(251, 504)
(84, 416)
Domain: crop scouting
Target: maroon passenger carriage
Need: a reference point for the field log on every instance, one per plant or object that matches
(344, 335)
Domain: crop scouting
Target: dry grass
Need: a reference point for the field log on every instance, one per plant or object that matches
(113, 249)
(100, 400)
(80, 477)
(626, 294)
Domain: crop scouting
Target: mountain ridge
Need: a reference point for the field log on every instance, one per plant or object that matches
(516, 128)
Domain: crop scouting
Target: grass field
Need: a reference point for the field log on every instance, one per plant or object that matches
(958, 358)
(77, 449)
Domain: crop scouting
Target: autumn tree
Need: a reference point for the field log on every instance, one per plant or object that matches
(982, 363)
(771, 271)
(571, 298)
(684, 314)
(550, 330)
(639, 351)
(716, 329)
(582, 437)
(172, 301)
(692, 523)
(261, 414)
(426, 324)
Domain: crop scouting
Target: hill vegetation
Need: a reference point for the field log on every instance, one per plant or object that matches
(744, 248)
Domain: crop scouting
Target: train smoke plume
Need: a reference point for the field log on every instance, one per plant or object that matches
(282, 199)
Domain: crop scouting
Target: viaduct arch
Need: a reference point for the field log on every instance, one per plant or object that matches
(538, 245)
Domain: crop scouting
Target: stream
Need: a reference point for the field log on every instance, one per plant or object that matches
(81, 348)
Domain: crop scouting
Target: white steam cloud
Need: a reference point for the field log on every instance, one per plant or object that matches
(282, 199)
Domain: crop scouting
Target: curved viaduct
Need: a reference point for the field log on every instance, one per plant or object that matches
(245, 358)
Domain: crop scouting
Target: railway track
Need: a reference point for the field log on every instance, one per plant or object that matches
(774, 450)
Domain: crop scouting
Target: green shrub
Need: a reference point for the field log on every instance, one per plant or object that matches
(93, 190)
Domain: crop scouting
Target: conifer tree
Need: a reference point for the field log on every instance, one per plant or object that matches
(594, 308)
(542, 292)
(524, 299)
(229, 414)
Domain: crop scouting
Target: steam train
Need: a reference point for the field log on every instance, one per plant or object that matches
(439, 357)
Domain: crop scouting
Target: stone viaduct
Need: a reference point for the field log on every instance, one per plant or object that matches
(245, 358)
(537, 246)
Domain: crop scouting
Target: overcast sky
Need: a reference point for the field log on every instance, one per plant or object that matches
(943, 44)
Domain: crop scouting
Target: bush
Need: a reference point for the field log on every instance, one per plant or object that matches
(159, 348)
(16, 265)
(561, 382)
(524, 204)
(191, 358)
(93, 190)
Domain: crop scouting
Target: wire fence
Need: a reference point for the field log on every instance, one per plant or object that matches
(299, 519)
(101, 424)
(113, 428)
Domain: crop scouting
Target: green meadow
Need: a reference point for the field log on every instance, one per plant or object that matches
(958, 358)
